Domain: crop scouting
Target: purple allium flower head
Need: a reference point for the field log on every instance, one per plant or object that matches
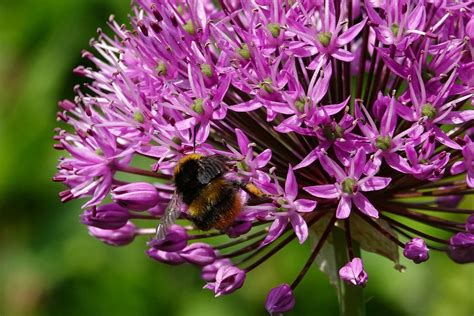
(107, 216)
(325, 113)
(115, 237)
(228, 280)
(175, 240)
(280, 299)
(416, 250)
(354, 273)
(461, 248)
(138, 196)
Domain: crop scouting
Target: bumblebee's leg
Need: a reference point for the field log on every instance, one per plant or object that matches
(256, 196)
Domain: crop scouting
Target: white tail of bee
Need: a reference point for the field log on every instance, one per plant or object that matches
(169, 217)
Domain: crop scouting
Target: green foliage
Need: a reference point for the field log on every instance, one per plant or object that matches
(48, 263)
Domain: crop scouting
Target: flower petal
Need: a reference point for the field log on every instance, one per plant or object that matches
(365, 206)
(277, 228)
(351, 33)
(263, 158)
(305, 205)
(291, 186)
(374, 183)
(243, 141)
(299, 226)
(324, 191)
(344, 207)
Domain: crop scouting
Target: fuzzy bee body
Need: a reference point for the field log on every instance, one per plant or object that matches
(213, 201)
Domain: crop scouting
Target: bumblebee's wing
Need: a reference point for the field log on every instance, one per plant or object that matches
(169, 217)
(210, 167)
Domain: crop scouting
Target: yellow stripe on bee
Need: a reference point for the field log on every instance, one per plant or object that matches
(251, 188)
(207, 197)
(183, 160)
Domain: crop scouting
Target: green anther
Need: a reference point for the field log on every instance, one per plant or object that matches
(325, 38)
(383, 142)
(429, 111)
(161, 69)
(197, 106)
(206, 70)
(333, 133)
(99, 152)
(189, 27)
(244, 51)
(300, 103)
(266, 85)
(242, 166)
(424, 161)
(428, 74)
(274, 28)
(349, 186)
(338, 131)
(138, 117)
(177, 141)
(180, 9)
(395, 28)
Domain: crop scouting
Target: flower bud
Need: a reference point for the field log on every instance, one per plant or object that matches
(171, 258)
(470, 224)
(416, 250)
(114, 237)
(228, 280)
(280, 299)
(175, 240)
(139, 196)
(208, 273)
(461, 248)
(199, 253)
(451, 201)
(238, 228)
(354, 273)
(108, 216)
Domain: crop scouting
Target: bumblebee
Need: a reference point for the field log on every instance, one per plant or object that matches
(213, 201)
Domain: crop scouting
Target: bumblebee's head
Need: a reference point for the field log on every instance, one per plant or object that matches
(187, 162)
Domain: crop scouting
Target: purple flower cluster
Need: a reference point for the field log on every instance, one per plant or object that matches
(340, 112)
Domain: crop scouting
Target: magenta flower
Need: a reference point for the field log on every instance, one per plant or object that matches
(461, 247)
(280, 299)
(137, 196)
(416, 250)
(198, 253)
(349, 114)
(115, 237)
(467, 164)
(175, 240)
(228, 280)
(349, 185)
(470, 224)
(354, 273)
(107, 216)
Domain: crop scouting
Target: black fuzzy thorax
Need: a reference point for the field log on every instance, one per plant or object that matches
(194, 174)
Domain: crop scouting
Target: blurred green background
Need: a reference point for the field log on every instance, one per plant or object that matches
(50, 266)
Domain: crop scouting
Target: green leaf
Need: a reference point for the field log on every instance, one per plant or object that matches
(372, 240)
(326, 259)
